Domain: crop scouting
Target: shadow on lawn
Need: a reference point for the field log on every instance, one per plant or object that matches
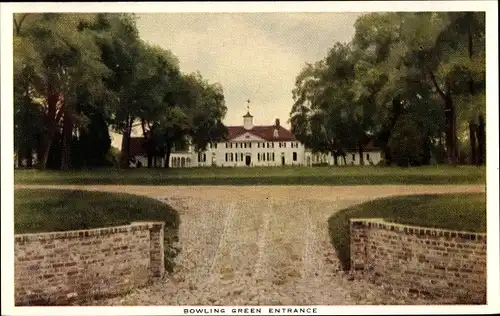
(50, 210)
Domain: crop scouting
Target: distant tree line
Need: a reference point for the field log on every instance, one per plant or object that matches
(413, 83)
(76, 76)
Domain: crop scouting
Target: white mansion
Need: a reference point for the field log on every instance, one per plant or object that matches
(250, 145)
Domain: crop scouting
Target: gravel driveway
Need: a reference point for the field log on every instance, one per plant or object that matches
(262, 246)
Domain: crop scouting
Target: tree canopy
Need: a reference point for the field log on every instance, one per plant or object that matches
(401, 73)
(78, 76)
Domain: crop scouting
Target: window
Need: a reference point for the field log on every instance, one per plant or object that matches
(249, 145)
(231, 157)
(226, 155)
(241, 156)
(273, 145)
(258, 157)
(226, 145)
(280, 145)
(204, 157)
(236, 158)
(284, 145)
(294, 156)
(367, 156)
(215, 145)
(258, 145)
(353, 157)
(273, 157)
(268, 156)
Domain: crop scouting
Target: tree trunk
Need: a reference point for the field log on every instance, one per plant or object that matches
(148, 144)
(167, 156)
(67, 135)
(335, 157)
(396, 112)
(29, 158)
(124, 157)
(19, 158)
(472, 139)
(45, 148)
(51, 120)
(451, 130)
(387, 155)
(450, 119)
(150, 160)
(473, 128)
(361, 159)
(481, 140)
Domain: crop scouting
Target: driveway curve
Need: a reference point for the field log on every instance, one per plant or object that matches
(261, 245)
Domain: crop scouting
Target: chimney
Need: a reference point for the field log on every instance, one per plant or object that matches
(276, 128)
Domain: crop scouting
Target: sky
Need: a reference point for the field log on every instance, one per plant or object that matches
(254, 56)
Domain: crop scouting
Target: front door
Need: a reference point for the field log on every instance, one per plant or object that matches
(282, 160)
(248, 160)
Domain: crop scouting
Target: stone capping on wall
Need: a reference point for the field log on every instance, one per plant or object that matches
(416, 230)
(134, 226)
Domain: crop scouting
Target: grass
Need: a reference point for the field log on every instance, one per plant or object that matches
(46, 210)
(465, 212)
(347, 175)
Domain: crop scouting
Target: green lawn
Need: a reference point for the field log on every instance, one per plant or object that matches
(45, 210)
(347, 175)
(465, 212)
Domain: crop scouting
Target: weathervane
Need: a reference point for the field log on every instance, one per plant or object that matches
(248, 105)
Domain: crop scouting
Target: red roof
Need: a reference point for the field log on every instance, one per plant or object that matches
(264, 132)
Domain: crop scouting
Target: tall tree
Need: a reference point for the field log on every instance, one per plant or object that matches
(427, 51)
(126, 56)
(158, 99)
(60, 57)
(193, 115)
(325, 115)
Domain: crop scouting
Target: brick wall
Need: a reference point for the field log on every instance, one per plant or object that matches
(436, 262)
(59, 268)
